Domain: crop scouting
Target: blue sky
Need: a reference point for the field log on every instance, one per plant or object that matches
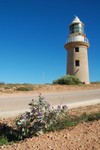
(33, 34)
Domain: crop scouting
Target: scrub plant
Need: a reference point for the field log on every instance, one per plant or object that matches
(40, 118)
(67, 80)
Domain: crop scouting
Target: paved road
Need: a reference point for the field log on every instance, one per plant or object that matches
(11, 106)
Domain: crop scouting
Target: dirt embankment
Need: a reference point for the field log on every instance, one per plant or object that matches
(84, 136)
(47, 89)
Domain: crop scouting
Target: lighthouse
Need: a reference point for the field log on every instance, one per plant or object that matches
(77, 51)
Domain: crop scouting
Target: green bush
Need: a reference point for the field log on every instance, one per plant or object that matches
(7, 134)
(3, 140)
(68, 80)
(24, 88)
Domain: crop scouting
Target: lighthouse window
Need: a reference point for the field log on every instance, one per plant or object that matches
(77, 63)
(76, 49)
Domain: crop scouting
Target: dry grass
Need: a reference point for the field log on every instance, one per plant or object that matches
(48, 88)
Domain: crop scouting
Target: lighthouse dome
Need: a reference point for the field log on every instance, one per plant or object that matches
(76, 20)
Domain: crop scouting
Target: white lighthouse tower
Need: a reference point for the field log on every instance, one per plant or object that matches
(77, 51)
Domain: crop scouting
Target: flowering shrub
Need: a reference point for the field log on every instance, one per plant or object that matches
(40, 118)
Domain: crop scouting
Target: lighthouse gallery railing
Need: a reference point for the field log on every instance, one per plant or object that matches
(73, 39)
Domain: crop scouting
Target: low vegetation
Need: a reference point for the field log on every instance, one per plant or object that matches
(41, 119)
(17, 87)
(24, 88)
(68, 80)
